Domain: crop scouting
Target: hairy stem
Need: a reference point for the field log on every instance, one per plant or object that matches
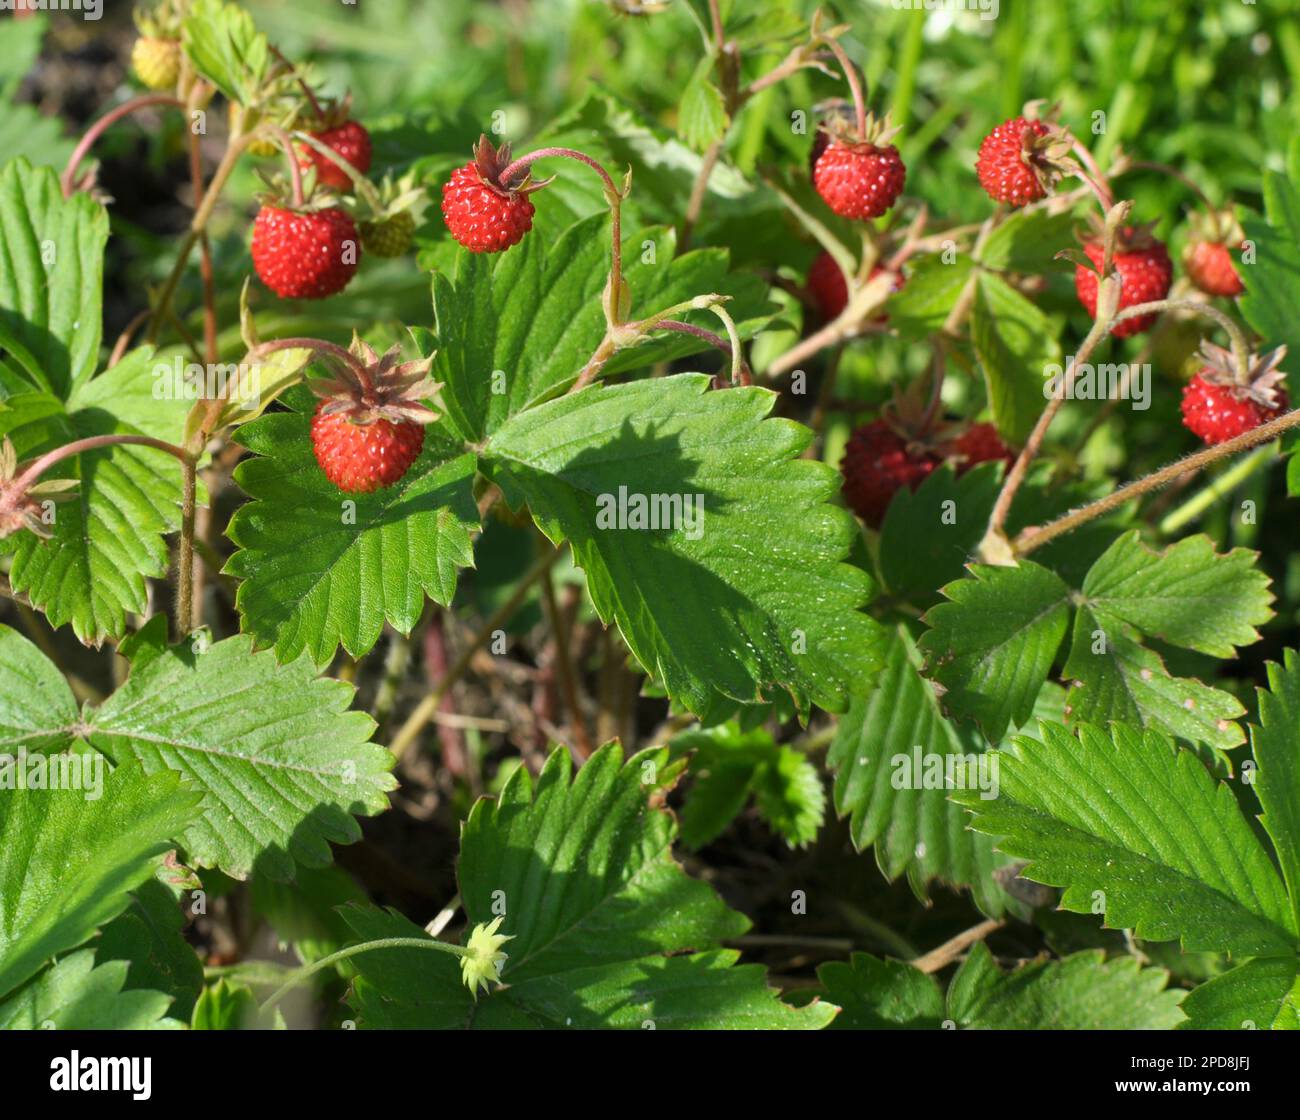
(1033, 538)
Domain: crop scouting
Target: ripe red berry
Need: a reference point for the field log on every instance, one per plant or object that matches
(1007, 166)
(305, 255)
(362, 457)
(1209, 264)
(980, 443)
(1217, 406)
(829, 289)
(351, 140)
(483, 214)
(859, 181)
(877, 463)
(1145, 273)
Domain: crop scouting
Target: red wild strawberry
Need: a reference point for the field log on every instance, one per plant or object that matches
(1209, 264)
(307, 254)
(369, 426)
(829, 290)
(1020, 159)
(1217, 406)
(351, 140)
(1144, 270)
(980, 443)
(860, 176)
(859, 181)
(482, 213)
(1215, 236)
(877, 463)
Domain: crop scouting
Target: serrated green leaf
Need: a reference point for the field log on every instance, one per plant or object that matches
(914, 829)
(1117, 679)
(1273, 281)
(1028, 242)
(600, 913)
(283, 764)
(1189, 595)
(517, 329)
(76, 994)
(746, 589)
(147, 936)
(1015, 343)
(37, 708)
(108, 539)
(992, 645)
(790, 798)
(51, 275)
(1080, 993)
(321, 568)
(68, 859)
(225, 1006)
(932, 290)
(881, 995)
(1275, 744)
(701, 113)
(1138, 830)
(304, 913)
(225, 47)
(925, 541)
(1257, 995)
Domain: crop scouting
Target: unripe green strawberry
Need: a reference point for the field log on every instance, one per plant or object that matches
(389, 237)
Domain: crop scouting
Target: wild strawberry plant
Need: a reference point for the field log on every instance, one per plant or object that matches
(653, 534)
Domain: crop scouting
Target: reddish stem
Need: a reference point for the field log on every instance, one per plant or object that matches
(855, 85)
(19, 486)
(96, 130)
(295, 171)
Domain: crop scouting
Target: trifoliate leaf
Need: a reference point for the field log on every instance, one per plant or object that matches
(730, 579)
(76, 994)
(51, 283)
(283, 764)
(108, 539)
(992, 645)
(911, 822)
(68, 858)
(322, 568)
(517, 329)
(608, 930)
(1138, 831)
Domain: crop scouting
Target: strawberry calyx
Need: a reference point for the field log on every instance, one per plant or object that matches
(490, 162)
(1217, 226)
(1263, 382)
(22, 505)
(842, 129)
(369, 387)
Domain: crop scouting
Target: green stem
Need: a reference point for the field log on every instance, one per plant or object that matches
(1224, 484)
(355, 950)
